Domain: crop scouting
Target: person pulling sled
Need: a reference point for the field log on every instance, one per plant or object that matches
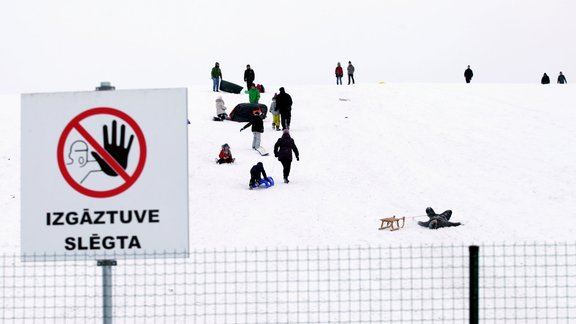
(258, 177)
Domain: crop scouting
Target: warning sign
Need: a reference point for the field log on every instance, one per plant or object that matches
(109, 156)
(104, 174)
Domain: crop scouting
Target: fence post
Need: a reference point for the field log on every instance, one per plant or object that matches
(106, 289)
(474, 299)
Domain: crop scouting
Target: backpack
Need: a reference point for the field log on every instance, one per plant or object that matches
(260, 88)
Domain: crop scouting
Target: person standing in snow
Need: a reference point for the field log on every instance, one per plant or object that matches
(436, 221)
(545, 79)
(562, 79)
(283, 151)
(275, 114)
(249, 76)
(257, 128)
(225, 155)
(284, 104)
(468, 74)
(257, 174)
(350, 72)
(216, 77)
(253, 94)
(339, 74)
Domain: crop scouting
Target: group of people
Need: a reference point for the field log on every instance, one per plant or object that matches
(468, 74)
(546, 79)
(340, 73)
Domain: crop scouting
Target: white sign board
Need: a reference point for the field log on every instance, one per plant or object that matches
(104, 174)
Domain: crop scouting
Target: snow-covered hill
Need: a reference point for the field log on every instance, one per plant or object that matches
(502, 157)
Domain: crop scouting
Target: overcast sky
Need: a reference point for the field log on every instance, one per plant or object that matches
(70, 45)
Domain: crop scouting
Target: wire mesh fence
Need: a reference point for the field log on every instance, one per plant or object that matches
(519, 283)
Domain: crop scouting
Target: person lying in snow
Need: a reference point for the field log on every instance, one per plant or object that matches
(437, 221)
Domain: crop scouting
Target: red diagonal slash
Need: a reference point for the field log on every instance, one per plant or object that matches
(103, 153)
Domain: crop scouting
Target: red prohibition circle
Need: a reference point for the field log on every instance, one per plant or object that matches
(74, 123)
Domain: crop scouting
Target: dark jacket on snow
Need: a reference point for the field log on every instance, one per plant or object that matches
(468, 74)
(545, 79)
(284, 147)
(257, 124)
(258, 170)
(284, 102)
(437, 221)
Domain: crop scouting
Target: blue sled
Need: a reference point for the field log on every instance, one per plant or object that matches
(264, 183)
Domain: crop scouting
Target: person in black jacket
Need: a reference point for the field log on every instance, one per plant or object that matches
(437, 221)
(249, 76)
(545, 79)
(283, 151)
(257, 175)
(562, 78)
(257, 128)
(284, 106)
(468, 74)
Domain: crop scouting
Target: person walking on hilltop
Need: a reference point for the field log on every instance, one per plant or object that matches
(283, 151)
(468, 74)
(284, 105)
(339, 74)
(350, 72)
(249, 76)
(216, 77)
(562, 79)
(545, 79)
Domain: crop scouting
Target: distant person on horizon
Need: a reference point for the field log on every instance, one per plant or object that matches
(284, 106)
(468, 74)
(283, 151)
(562, 79)
(216, 77)
(249, 76)
(350, 72)
(545, 79)
(339, 74)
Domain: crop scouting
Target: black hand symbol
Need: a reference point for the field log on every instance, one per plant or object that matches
(117, 151)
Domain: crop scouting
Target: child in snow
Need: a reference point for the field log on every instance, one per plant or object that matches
(275, 114)
(438, 220)
(220, 109)
(225, 155)
(257, 128)
(253, 94)
(256, 174)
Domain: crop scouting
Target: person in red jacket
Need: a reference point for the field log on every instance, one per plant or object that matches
(339, 74)
(225, 155)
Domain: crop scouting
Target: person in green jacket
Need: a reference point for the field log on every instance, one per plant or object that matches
(253, 94)
(216, 77)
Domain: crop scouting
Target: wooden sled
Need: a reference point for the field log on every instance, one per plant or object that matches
(392, 223)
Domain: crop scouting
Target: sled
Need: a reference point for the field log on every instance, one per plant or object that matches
(264, 184)
(389, 222)
(230, 87)
(261, 150)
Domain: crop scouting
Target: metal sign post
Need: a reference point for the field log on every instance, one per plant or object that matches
(106, 289)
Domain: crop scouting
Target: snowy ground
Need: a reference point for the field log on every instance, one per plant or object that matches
(502, 157)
